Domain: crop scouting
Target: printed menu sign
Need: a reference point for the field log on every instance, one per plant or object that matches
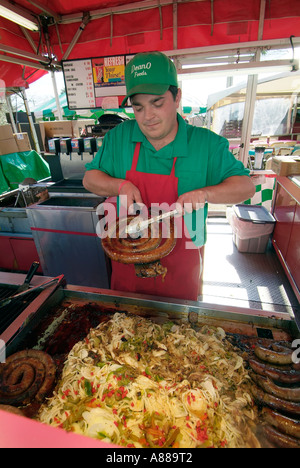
(95, 82)
(78, 76)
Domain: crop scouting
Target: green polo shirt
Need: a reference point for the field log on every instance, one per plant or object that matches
(203, 159)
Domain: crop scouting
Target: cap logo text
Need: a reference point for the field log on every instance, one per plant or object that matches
(140, 69)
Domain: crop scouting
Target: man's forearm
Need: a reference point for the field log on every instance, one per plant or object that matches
(233, 190)
(102, 184)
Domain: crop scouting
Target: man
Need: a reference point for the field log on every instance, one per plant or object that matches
(158, 158)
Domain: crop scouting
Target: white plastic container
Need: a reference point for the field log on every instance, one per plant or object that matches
(252, 226)
(259, 157)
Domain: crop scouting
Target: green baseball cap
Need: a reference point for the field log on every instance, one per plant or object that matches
(149, 73)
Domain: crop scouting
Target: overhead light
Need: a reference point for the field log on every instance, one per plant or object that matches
(250, 68)
(18, 15)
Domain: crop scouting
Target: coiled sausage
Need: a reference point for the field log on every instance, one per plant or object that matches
(147, 249)
(26, 375)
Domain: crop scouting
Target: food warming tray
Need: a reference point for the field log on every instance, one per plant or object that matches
(90, 307)
(65, 317)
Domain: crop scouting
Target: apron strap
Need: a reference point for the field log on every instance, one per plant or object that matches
(136, 156)
(173, 168)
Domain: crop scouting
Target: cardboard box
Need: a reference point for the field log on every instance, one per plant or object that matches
(79, 125)
(54, 129)
(8, 146)
(23, 142)
(285, 165)
(6, 132)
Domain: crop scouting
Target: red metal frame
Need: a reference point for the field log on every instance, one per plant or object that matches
(20, 432)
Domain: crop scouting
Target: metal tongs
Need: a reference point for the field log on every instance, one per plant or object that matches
(5, 302)
(138, 226)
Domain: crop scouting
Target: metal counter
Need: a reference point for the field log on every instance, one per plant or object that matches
(64, 231)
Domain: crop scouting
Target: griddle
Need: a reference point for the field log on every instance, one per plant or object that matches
(66, 316)
(16, 316)
(67, 186)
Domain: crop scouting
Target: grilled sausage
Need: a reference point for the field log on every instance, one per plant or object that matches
(276, 403)
(287, 393)
(26, 375)
(274, 354)
(279, 439)
(279, 375)
(135, 251)
(21, 382)
(11, 409)
(283, 423)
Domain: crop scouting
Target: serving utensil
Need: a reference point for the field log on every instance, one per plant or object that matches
(138, 226)
(26, 285)
(8, 300)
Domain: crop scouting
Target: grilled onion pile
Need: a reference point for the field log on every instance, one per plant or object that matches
(135, 383)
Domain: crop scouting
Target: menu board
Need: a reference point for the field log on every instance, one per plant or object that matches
(94, 83)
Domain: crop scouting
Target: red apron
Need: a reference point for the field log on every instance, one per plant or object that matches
(184, 266)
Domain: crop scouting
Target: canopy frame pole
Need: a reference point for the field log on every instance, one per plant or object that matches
(111, 29)
(251, 96)
(59, 110)
(44, 9)
(160, 21)
(175, 25)
(27, 63)
(31, 123)
(11, 114)
(85, 20)
(29, 39)
(27, 55)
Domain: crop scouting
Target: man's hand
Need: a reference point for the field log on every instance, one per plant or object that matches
(194, 200)
(129, 196)
(102, 184)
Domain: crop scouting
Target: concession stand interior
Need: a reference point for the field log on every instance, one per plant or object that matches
(82, 365)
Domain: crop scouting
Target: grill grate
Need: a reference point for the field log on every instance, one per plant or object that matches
(10, 312)
(6, 292)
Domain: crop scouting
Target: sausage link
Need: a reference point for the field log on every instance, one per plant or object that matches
(19, 387)
(11, 409)
(276, 403)
(287, 393)
(137, 252)
(283, 423)
(50, 368)
(26, 375)
(279, 375)
(274, 354)
(128, 245)
(18, 377)
(279, 439)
